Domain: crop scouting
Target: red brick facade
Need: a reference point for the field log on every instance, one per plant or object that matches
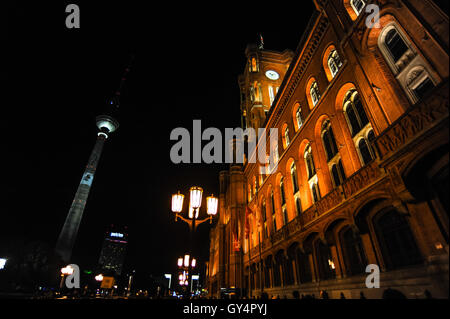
(362, 172)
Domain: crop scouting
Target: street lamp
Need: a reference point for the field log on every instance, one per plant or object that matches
(195, 202)
(68, 270)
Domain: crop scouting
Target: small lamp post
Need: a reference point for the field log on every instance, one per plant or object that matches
(68, 270)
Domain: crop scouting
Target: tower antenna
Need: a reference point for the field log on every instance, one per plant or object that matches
(116, 97)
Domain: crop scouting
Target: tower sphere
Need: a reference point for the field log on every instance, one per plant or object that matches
(106, 124)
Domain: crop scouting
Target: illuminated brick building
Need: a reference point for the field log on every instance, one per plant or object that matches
(362, 174)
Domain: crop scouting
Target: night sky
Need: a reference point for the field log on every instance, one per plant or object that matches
(57, 80)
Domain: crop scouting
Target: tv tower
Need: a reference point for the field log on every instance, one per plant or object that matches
(106, 124)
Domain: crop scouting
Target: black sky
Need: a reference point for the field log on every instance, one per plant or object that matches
(57, 80)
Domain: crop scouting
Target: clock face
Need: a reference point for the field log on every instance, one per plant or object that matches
(272, 75)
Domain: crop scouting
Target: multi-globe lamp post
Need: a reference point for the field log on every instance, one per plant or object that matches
(185, 265)
(195, 202)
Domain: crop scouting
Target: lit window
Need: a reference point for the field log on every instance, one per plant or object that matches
(409, 67)
(309, 162)
(283, 195)
(315, 192)
(298, 117)
(271, 95)
(315, 94)
(355, 114)
(328, 140)
(337, 172)
(357, 6)
(286, 137)
(294, 178)
(334, 62)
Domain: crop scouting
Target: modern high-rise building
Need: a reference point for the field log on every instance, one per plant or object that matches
(112, 255)
(361, 109)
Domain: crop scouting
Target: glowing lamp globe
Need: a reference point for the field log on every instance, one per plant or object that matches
(196, 197)
(211, 205)
(186, 260)
(177, 202)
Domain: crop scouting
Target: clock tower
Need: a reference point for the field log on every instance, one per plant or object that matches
(259, 84)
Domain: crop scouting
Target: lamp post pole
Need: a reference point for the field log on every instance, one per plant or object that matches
(194, 209)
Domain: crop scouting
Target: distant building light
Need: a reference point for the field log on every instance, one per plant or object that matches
(195, 277)
(116, 235)
(2, 263)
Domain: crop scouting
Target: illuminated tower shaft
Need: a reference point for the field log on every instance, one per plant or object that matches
(69, 231)
(68, 235)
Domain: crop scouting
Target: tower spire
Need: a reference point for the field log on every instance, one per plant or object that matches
(115, 100)
(261, 41)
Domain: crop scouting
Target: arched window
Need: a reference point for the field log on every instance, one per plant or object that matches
(357, 6)
(298, 117)
(353, 251)
(294, 178)
(264, 218)
(337, 172)
(395, 44)
(399, 248)
(298, 205)
(286, 137)
(274, 219)
(315, 93)
(366, 155)
(354, 112)
(315, 192)
(253, 65)
(282, 193)
(329, 141)
(311, 170)
(324, 261)
(334, 62)
(304, 266)
(412, 71)
(271, 94)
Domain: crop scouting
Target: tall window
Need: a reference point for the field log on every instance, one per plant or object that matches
(311, 170)
(357, 6)
(353, 251)
(337, 172)
(315, 93)
(298, 117)
(399, 248)
(329, 141)
(274, 219)
(264, 218)
(354, 112)
(364, 150)
(286, 137)
(315, 191)
(294, 178)
(271, 95)
(395, 44)
(283, 195)
(334, 62)
(298, 205)
(253, 65)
